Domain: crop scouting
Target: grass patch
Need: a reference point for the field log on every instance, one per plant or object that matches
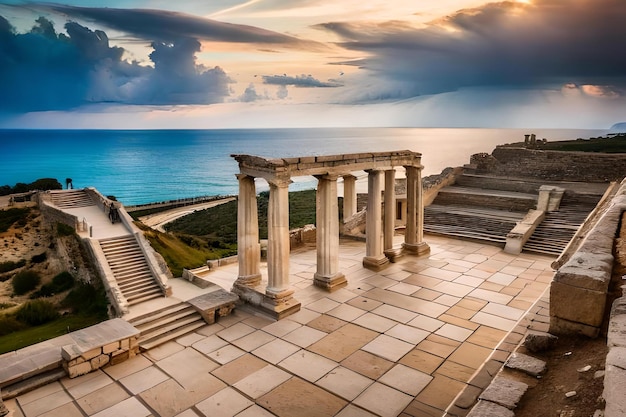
(59, 327)
(11, 216)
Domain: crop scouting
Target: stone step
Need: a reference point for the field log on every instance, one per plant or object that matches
(34, 382)
(171, 335)
(130, 285)
(131, 270)
(115, 240)
(132, 276)
(124, 254)
(128, 263)
(157, 314)
(157, 293)
(154, 326)
(144, 289)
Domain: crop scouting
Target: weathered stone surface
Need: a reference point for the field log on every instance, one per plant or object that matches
(504, 392)
(527, 364)
(616, 335)
(587, 270)
(588, 308)
(540, 341)
(214, 304)
(99, 361)
(78, 370)
(614, 382)
(489, 409)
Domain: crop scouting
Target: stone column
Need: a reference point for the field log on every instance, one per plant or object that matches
(374, 257)
(248, 249)
(278, 294)
(349, 196)
(414, 232)
(390, 216)
(327, 219)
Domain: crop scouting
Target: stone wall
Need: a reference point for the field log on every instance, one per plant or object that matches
(53, 215)
(551, 165)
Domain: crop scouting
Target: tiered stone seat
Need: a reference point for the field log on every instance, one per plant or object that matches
(69, 199)
(130, 269)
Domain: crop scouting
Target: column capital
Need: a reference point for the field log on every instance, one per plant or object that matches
(280, 182)
(328, 177)
(243, 176)
(348, 177)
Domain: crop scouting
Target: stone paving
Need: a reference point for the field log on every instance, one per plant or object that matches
(420, 337)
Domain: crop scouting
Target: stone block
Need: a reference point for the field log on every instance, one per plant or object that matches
(561, 326)
(489, 409)
(614, 383)
(539, 341)
(99, 361)
(75, 362)
(527, 364)
(92, 353)
(124, 344)
(504, 392)
(587, 270)
(119, 356)
(111, 347)
(588, 308)
(214, 304)
(78, 370)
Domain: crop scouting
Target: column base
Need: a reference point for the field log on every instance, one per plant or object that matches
(375, 262)
(279, 304)
(416, 248)
(393, 254)
(248, 280)
(330, 283)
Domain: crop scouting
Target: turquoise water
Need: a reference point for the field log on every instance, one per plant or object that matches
(141, 166)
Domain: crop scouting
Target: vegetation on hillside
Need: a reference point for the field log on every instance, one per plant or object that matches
(42, 184)
(13, 216)
(608, 144)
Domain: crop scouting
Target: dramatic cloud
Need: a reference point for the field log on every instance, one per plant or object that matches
(166, 26)
(298, 81)
(43, 70)
(249, 95)
(546, 43)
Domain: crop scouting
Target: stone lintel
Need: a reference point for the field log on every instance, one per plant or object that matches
(330, 283)
(214, 305)
(415, 248)
(375, 262)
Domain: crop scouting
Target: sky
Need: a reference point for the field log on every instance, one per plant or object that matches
(132, 64)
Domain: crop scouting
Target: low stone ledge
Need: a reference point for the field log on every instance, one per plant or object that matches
(517, 237)
(109, 342)
(214, 305)
(614, 382)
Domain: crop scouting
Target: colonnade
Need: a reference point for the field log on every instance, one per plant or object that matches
(277, 298)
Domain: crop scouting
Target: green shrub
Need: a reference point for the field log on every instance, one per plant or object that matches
(61, 282)
(25, 281)
(37, 259)
(10, 265)
(8, 324)
(10, 216)
(64, 230)
(37, 312)
(86, 299)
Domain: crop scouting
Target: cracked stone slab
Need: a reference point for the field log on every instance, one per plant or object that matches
(504, 392)
(527, 364)
(489, 409)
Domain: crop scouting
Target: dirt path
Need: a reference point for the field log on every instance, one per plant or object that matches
(158, 220)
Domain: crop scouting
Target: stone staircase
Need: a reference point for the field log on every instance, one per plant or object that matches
(69, 199)
(130, 269)
(168, 323)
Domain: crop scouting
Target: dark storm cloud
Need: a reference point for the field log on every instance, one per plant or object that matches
(166, 25)
(46, 70)
(546, 43)
(297, 81)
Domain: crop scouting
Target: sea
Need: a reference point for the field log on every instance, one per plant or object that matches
(143, 166)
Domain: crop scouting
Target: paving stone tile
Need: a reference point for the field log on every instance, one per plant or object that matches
(395, 313)
(452, 288)
(452, 320)
(494, 321)
(353, 411)
(102, 399)
(42, 392)
(189, 339)
(258, 322)
(255, 411)
(456, 371)
(470, 355)
(304, 316)
(341, 295)
(461, 312)
(83, 385)
(422, 361)
(407, 333)
(383, 400)
(504, 311)
(479, 273)
(326, 323)
(209, 330)
(343, 342)
(441, 274)
(323, 305)
(170, 398)
(440, 392)
(379, 281)
(365, 363)
(163, 351)
(364, 303)
(344, 383)
(262, 381)
(226, 354)
(304, 336)
(491, 296)
(144, 379)
(486, 408)
(375, 322)
(504, 392)
(439, 346)
(406, 379)
(404, 288)
(66, 410)
(299, 398)
(239, 368)
(186, 365)
(308, 365)
(487, 337)
(475, 258)
(275, 351)
(418, 408)
(44, 404)
(346, 312)
(426, 323)
(427, 294)
(388, 347)
(453, 332)
(469, 280)
(235, 316)
(130, 407)
(188, 413)
(502, 278)
(447, 300)
(422, 281)
(235, 331)
(281, 328)
(209, 344)
(456, 268)
(254, 340)
(225, 403)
